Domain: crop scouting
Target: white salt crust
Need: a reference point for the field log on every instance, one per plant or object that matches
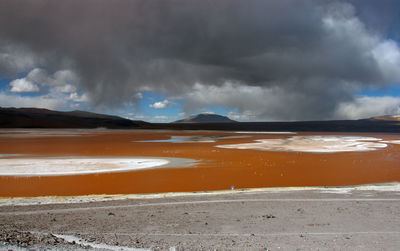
(73, 166)
(392, 142)
(314, 144)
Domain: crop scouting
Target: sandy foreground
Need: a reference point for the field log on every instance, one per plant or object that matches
(349, 218)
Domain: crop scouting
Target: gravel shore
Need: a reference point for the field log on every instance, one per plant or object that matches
(320, 219)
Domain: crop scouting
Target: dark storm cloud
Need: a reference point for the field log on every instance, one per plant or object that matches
(312, 50)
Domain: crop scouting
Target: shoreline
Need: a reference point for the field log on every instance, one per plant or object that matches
(46, 200)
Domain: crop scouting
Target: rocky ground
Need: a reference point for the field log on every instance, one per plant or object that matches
(340, 219)
(14, 239)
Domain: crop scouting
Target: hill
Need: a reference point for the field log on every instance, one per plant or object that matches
(43, 118)
(206, 118)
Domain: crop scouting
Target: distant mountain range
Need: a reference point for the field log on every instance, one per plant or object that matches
(43, 118)
(206, 118)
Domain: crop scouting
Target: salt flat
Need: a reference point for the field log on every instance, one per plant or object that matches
(73, 166)
(316, 144)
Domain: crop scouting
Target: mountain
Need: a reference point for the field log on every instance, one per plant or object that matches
(387, 118)
(43, 118)
(206, 118)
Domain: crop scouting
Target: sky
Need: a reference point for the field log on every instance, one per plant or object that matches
(160, 61)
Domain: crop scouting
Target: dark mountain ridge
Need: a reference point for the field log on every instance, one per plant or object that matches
(44, 118)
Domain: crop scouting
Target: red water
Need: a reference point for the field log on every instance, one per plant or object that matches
(217, 168)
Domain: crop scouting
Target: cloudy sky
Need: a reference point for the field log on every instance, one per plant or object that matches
(253, 60)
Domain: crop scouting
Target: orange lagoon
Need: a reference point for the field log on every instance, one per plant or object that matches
(82, 162)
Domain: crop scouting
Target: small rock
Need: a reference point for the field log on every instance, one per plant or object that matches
(269, 216)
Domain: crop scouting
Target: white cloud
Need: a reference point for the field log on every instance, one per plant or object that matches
(23, 85)
(139, 95)
(78, 98)
(387, 56)
(37, 75)
(60, 85)
(365, 107)
(161, 104)
(63, 81)
(58, 78)
(380, 53)
(38, 102)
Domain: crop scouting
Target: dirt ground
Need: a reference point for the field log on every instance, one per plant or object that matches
(339, 219)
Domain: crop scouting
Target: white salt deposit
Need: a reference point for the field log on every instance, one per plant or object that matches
(73, 166)
(314, 144)
(98, 246)
(391, 141)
